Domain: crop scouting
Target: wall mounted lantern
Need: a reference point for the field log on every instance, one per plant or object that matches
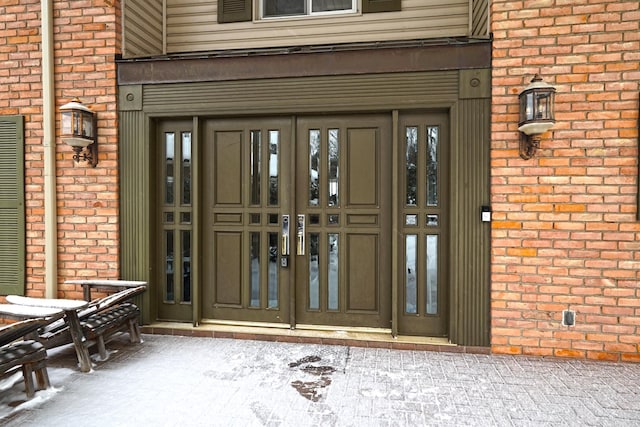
(79, 130)
(536, 115)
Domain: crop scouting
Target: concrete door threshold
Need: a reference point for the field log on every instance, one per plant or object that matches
(355, 337)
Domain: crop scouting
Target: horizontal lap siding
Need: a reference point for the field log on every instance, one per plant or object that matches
(194, 27)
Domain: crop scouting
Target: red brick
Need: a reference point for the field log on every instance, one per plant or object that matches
(593, 212)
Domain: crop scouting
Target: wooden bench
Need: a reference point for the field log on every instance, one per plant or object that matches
(92, 323)
(101, 325)
(28, 355)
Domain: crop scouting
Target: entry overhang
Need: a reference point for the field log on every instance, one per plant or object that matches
(303, 62)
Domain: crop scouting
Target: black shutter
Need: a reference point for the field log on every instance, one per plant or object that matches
(235, 10)
(369, 6)
(12, 219)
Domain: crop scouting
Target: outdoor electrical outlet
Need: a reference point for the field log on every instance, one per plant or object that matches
(568, 318)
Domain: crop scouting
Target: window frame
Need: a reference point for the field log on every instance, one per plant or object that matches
(231, 11)
(356, 8)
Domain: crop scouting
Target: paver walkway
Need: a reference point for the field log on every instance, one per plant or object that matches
(180, 381)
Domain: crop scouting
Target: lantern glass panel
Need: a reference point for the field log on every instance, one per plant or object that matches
(541, 106)
(87, 125)
(67, 118)
(77, 123)
(527, 107)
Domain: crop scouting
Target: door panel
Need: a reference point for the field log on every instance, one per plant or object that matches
(422, 277)
(362, 265)
(243, 203)
(343, 274)
(229, 269)
(228, 168)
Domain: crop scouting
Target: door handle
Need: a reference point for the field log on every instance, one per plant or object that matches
(285, 235)
(300, 235)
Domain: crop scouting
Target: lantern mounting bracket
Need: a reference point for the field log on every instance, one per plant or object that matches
(89, 154)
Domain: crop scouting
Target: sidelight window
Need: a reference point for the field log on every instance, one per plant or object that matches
(176, 218)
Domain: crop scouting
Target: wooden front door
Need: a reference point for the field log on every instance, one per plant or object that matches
(246, 178)
(343, 250)
(334, 266)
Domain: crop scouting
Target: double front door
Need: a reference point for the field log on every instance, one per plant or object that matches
(298, 225)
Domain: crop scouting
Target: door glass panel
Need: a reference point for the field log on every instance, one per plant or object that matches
(412, 166)
(169, 148)
(273, 270)
(334, 280)
(254, 219)
(314, 168)
(411, 291)
(333, 163)
(314, 271)
(255, 167)
(411, 220)
(186, 266)
(333, 219)
(432, 274)
(432, 220)
(273, 218)
(314, 219)
(255, 269)
(274, 153)
(169, 284)
(168, 217)
(432, 166)
(186, 168)
(185, 217)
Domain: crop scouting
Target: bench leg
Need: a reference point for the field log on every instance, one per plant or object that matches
(42, 376)
(27, 374)
(134, 331)
(102, 349)
(78, 340)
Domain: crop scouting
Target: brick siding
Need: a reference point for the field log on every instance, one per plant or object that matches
(565, 233)
(86, 39)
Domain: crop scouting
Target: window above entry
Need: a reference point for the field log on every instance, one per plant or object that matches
(242, 10)
(280, 8)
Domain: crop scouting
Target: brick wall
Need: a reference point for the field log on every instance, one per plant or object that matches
(565, 233)
(86, 38)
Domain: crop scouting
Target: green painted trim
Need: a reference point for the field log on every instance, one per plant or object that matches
(135, 244)
(470, 190)
(196, 244)
(12, 209)
(395, 207)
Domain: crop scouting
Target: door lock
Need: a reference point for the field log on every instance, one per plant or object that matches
(300, 235)
(285, 235)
